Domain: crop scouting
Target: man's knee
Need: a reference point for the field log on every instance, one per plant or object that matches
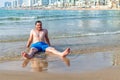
(34, 49)
(50, 49)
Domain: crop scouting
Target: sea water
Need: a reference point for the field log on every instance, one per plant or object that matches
(68, 27)
(16, 24)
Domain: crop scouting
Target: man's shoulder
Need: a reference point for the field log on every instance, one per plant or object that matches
(45, 30)
(32, 30)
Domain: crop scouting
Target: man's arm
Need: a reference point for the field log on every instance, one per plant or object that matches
(47, 39)
(30, 39)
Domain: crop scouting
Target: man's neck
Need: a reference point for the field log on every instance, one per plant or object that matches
(39, 30)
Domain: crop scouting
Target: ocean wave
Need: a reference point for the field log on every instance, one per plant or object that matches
(33, 18)
(16, 18)
(87, 34)
(37, 17)
(9, 39)
(16, 15)
(54, 17)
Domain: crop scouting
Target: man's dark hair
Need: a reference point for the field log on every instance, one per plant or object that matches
(38, 22)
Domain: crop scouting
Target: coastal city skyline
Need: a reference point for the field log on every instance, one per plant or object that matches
(59, 3)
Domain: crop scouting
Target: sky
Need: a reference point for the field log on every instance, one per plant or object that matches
(2, 2)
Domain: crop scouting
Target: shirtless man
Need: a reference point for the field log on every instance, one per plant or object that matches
(40, 43)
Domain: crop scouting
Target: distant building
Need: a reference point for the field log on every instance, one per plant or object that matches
(39, 2)
(14, 4)
(7, 4)
(45, 2)
(53, 1)
(35, 2)
(26, 3)
(19, 3)
(56, 2)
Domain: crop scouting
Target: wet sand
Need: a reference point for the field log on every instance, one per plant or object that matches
(109, 73)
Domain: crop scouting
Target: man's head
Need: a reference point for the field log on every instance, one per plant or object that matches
(38, 25)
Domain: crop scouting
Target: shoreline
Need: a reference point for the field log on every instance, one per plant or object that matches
(74, 8)
(114, 49)
(87, 50)
(81, 50)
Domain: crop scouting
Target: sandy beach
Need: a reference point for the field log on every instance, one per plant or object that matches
(93, 36)
(107, 74)
(110, 73)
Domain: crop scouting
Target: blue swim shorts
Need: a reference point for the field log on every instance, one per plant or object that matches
(41, 46)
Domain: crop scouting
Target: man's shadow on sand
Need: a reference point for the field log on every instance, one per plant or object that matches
(39, 62)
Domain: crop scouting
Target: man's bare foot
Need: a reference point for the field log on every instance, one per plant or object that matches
(25, 55)
(66, 52)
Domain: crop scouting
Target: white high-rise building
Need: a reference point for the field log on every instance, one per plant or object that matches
(32, 2)
(39, 2)
(19, 3)
(35, 2)
(7, 4)
(26, 3)
(14, 3)
(53, 1)
(45, 2)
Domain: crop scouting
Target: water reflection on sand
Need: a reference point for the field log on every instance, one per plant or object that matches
(116, 58)
(72, 63)
(40, 63)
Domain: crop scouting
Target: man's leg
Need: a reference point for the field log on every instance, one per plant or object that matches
(54, 51)
(30, 54)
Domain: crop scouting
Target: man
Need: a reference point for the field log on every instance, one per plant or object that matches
(40, 43)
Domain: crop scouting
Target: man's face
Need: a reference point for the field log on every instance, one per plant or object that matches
(39, 26)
